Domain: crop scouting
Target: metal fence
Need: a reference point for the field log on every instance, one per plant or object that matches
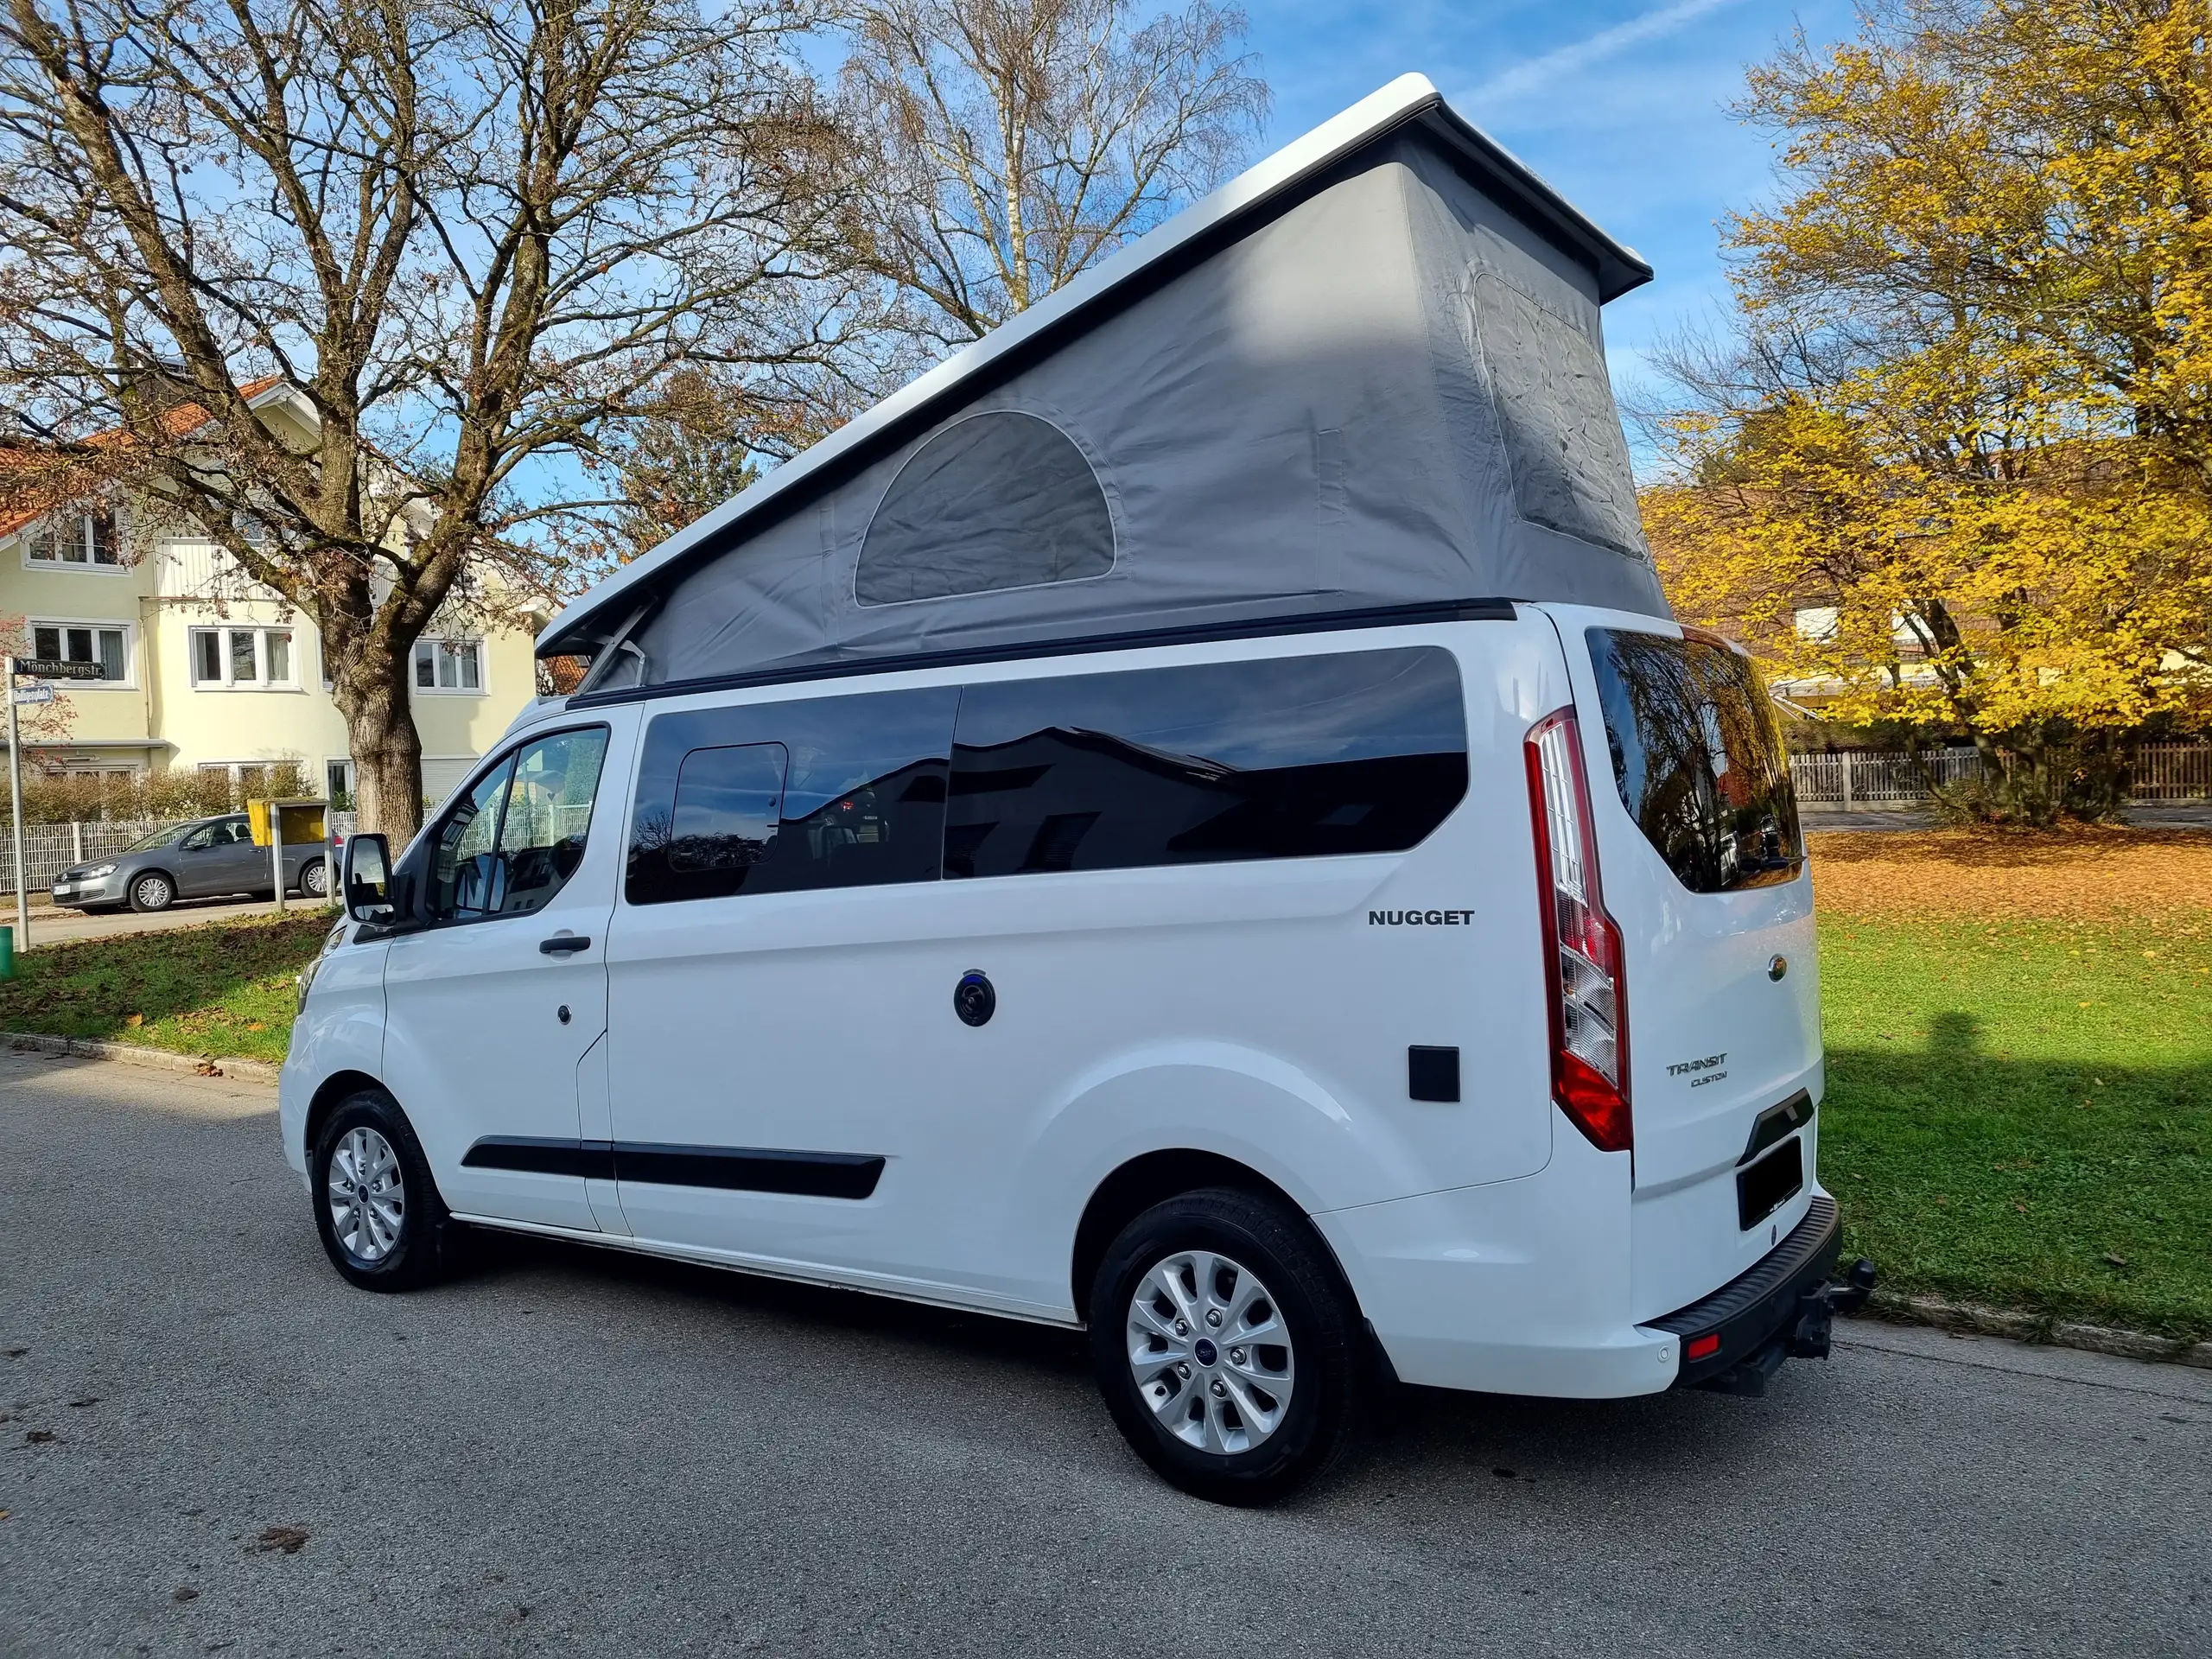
(50, 848)
(2159, 771)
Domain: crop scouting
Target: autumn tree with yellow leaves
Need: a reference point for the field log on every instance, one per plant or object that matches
(1963, 419)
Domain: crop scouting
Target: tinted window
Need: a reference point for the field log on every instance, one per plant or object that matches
(774, 798)
(1362, 751)
(1000, 500)
(1698, 759)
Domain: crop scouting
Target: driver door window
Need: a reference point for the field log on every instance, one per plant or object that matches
(513, 841)
(464, 864)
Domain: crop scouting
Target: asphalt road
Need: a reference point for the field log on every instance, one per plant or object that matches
(575, 1452)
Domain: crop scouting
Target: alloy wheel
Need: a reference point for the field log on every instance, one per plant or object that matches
(1210, 1353)
(367, 1195)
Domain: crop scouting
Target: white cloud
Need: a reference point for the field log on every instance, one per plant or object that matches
(1536, 74)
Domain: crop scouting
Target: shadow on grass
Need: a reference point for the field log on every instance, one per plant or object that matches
(225, 989)
(2075, 1191)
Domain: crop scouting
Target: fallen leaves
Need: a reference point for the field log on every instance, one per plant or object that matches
(2084, 873)
(284, 1540)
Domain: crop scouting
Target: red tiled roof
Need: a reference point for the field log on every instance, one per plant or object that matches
(182, 419)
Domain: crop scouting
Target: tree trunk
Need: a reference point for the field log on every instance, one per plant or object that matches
(387, 750)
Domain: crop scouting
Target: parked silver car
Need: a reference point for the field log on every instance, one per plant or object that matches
(205, 859)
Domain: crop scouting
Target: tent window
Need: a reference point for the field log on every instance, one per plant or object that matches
(999, 500)
(1555, 409)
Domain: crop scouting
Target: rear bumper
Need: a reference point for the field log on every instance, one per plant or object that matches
(1734, 1339)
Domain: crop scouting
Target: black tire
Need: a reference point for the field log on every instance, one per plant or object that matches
(150, 891)
(415, 1254)
(1331, 1373)
(314, 879)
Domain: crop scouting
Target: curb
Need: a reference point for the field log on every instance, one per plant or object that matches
(2039, 1328)
(84, 1048)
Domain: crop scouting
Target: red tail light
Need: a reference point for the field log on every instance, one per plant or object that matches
(1582, 947)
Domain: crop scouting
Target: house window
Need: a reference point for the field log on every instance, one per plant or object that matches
(107, 648)
(338, 783)
(450, 666)
(252, 658)
(85, 539)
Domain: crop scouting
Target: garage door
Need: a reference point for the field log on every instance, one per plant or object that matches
(444, 774)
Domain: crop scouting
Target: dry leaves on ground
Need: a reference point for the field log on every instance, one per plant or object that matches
(2010, 875)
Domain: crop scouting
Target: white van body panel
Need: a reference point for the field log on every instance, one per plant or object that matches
(474, 1032)
(1698, 986)
(1258, 1011)
(340, 1030)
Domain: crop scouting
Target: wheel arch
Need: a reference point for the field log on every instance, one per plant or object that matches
(331, 1090)
(1153, 1177)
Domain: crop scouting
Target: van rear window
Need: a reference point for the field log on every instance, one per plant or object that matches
(1698, 759)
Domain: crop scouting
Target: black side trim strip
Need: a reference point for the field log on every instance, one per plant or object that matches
(1776, 1123)
(810, 1174)
(592, 1160)
(731, 1169)
(1385, 616)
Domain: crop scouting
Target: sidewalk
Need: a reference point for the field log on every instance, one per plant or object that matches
(51, 924)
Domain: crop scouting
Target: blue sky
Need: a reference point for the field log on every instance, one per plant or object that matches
(1621, 105)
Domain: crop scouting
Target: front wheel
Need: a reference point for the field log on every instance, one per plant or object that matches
(1227, 1347)
(376, 1209)
(152, 891)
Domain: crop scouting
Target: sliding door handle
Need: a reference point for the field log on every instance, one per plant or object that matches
(561, 945)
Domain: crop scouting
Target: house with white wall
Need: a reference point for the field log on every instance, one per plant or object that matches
(201, 668)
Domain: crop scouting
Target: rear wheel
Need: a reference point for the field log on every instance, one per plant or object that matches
(1227, 1347)
(152, 891)
(376, 1209)
(314, 879)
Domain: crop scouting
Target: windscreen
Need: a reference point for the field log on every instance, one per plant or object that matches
(1698, 759)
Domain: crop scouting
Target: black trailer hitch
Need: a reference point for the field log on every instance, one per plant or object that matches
(1817, 1308)
(1807, 1336)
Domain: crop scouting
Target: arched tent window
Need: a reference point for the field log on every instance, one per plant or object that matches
(1000, 500)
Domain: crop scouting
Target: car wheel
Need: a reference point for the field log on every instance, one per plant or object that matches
(1227, 1346)
(314, 879)
(376, 1208)
(152, 891)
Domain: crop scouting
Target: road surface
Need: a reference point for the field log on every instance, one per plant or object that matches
(573, 1451)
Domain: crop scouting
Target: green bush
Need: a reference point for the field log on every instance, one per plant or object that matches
(54, 798)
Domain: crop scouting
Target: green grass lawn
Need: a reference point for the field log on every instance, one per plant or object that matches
(226, 989)
(2020, 1113)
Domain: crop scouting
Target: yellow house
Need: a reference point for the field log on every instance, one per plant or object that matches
(199, 668)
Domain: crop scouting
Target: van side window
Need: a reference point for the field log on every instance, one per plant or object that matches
(786, 797)
(513, 841)
(1356, 751)
(1698, 759)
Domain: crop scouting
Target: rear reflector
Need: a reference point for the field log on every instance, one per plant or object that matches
(1702, 1347)
(1582, 947)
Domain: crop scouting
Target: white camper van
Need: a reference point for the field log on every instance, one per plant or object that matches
(1192, 822)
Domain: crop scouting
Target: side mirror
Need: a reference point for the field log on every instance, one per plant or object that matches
(367, 880)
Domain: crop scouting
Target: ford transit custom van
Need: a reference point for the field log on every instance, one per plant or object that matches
(1263, 879)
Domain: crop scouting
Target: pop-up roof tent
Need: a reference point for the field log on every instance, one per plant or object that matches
(1366, 375)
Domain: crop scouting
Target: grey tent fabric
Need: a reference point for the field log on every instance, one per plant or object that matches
(999, 499)
(1388, 390)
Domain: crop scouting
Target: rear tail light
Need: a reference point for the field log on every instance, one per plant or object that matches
(1582, 947)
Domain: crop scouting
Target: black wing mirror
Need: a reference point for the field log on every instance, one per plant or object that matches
(367, 880)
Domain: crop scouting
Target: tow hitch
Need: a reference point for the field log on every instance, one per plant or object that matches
(1806, 1334)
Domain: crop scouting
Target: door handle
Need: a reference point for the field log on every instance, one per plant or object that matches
(562, 944)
